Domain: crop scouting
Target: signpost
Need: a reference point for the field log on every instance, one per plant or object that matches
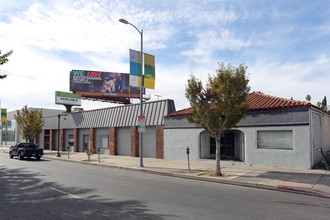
(141, 123)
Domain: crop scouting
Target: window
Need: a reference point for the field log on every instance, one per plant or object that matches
(8, 136)
(281, 139)
(70, 140)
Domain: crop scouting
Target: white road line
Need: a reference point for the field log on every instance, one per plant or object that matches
(71, 195)
(5, 172)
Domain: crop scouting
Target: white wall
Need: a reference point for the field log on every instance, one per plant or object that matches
(102, 140)
(298, 157)
(149, 142)
(205, 142)
(124, 141)
(326, 133)
(177, 139)
(317, 135)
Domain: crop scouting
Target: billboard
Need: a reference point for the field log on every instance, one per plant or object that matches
(67, 98)
(107, 83)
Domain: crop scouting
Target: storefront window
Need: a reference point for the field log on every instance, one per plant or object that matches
(70, 140)
(275, 139)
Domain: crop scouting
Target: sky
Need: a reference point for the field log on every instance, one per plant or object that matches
(285, 45)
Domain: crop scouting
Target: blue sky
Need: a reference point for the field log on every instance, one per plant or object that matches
(285, 45)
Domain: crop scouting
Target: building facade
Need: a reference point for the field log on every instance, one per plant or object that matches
(112, 130)
(275, 132)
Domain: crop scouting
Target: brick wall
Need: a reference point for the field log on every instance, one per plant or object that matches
(134, 142)
(113, 147)
(160, 142)
(76, 139)
(52, 136)
(92, 139)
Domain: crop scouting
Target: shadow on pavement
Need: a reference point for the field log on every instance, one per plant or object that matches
(302, 178)
(23, 195)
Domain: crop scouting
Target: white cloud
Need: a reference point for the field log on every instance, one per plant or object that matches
(292, 79)
(210, 41)
(51, 38)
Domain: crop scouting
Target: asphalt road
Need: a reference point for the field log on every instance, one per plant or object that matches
(51, 189)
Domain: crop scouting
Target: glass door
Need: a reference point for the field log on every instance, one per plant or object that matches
(85, 142)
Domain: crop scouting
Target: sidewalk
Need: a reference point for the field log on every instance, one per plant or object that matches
(311, 182)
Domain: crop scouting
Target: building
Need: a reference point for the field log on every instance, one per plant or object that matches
(11, 135)
(111, 130)
(275, 132)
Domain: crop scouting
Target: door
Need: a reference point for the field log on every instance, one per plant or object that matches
(85, 142)
(46, 140)
(227, 146)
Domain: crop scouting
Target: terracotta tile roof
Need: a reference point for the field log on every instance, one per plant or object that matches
(259, 101)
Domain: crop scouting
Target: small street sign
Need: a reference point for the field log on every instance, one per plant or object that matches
(141, 123)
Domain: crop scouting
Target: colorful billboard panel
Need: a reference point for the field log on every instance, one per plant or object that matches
(109, 83)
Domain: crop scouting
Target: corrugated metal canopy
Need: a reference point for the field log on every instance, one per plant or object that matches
(121, 116)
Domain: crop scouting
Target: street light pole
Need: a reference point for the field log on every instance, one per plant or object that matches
(58, 132)
(141, 91)
(58, 135)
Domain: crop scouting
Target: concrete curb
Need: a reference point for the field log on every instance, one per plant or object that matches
(281, 188)
(306, 191)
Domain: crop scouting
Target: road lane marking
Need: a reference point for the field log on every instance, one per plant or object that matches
(68, 194)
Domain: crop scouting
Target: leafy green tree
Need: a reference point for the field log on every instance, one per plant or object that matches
(30, 122)
(319, 104)
(324, 104)
(3, 60)
(308, 98)
(221, 104)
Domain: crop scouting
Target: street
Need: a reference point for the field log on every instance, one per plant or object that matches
(51, 189)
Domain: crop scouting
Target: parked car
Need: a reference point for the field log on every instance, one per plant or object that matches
(27, 150)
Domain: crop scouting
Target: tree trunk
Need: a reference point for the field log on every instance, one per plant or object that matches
(217, 155)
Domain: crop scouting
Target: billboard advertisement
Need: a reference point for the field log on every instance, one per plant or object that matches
(108, 83)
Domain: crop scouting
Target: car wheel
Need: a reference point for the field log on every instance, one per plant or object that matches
(11, 156)
(38, 157)
(20, 157)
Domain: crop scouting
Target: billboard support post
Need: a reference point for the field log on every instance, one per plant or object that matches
(68, 100)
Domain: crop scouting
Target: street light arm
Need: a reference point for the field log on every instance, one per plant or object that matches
(126, 22)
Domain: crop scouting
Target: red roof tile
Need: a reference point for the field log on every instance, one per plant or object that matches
(259, 101)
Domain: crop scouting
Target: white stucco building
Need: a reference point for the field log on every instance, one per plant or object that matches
(275, 132)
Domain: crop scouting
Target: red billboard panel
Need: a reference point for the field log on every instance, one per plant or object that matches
(103, 83)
